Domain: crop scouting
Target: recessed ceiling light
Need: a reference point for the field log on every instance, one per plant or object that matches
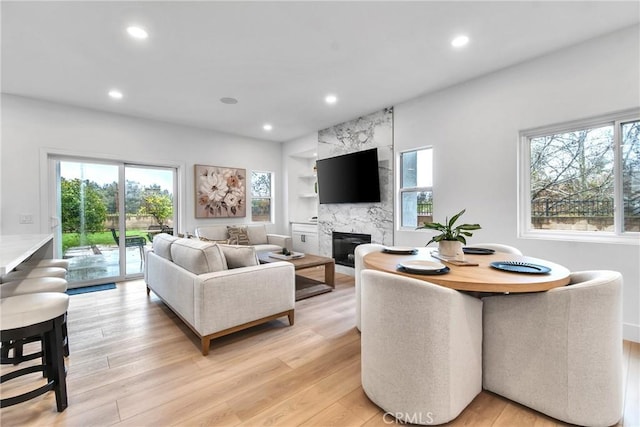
(331, 99)
(460, 41)
(267, 127)
(137, 32)
(115, 94)
(228, 100)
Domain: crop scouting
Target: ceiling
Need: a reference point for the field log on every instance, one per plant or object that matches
(278, 59)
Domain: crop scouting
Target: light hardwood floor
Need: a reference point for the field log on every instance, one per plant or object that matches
(133, 363)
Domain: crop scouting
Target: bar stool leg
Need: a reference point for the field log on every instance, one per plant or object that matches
(4, 349)
(55, 358)
(65, 336)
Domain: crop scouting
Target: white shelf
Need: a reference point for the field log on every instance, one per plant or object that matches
(308, 176)
(306, 155)
(309, 196)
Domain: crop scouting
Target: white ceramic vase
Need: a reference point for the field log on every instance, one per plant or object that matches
(450, 248)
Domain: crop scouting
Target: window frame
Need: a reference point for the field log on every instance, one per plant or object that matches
(402, 189)
(271, 196)
(525, 230)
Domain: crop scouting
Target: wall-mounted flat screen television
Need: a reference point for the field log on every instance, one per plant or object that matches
(350, 178)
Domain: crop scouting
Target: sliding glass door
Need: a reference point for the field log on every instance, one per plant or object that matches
(107, 212)
(149, 209)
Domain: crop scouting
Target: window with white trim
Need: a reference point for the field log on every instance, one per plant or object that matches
(261, 196)
(416, 187)
(582, 178)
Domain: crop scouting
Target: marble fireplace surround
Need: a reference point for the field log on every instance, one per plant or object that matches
(371, 131)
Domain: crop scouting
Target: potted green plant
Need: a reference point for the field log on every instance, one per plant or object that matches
(451, 238)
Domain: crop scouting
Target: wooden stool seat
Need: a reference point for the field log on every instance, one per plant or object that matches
(39, 314)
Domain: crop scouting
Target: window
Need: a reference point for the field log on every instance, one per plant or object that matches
(261, 195)
(582, 178)
(416, 181)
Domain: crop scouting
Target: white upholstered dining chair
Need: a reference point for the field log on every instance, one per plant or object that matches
(498, 247)
(559, 352)
(359, 253)
(421, 347)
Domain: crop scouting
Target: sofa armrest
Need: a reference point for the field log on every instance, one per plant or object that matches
(281, 240)
(228, 298)
(147, 251)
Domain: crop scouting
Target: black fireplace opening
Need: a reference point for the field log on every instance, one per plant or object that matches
(344, 246)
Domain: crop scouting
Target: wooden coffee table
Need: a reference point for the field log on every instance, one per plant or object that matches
(306, 287)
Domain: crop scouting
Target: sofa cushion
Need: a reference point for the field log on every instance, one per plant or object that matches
(238, 235)
(239, 256)
(257, 234)
(267, 248)
(197, 256)
(212, 232)
(162, 245)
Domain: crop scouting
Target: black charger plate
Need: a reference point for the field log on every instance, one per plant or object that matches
(477, 251)
(520, 267)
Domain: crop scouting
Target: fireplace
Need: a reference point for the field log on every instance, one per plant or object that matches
(344, 246)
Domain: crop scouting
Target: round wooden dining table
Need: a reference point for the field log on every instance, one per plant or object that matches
(480, 278)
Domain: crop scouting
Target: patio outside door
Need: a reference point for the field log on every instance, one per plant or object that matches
(103, 230)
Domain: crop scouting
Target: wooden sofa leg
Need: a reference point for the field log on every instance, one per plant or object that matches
(148, 290)
(290, 315)
(206, 342)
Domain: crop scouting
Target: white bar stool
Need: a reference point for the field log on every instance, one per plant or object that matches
(41, 263)
(24, 316)
(35, 272)
(31, 286)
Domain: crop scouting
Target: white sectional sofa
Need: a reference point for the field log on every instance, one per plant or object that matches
(218, 289)
(255, 233)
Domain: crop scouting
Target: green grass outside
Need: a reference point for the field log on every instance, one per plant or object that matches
(70, 240)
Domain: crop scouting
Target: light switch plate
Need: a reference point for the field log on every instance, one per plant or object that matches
(26, 219)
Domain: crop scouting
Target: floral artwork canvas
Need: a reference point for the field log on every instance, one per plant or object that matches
(220, 192)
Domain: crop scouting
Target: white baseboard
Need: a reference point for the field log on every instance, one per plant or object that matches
(631, 332)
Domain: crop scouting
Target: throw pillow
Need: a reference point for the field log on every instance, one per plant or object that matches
(238, 235)
(239, 256)
(257, 234)
(198, 257)
(224, 242)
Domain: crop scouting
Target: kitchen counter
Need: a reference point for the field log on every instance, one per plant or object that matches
(16, 248)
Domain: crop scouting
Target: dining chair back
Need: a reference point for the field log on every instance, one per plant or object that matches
(421, 347)
(359, 253)
(498, 247)
(559, 352)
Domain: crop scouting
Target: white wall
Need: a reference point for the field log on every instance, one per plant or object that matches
(28, 126)
(474, 131)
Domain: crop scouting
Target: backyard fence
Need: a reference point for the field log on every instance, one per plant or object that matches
(581, 208)
(578, 208)
(425, 209)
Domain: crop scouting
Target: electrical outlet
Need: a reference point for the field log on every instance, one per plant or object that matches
(26, 219)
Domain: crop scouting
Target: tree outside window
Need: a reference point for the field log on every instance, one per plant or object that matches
(577, 183)
(416, 182)
(261, 195)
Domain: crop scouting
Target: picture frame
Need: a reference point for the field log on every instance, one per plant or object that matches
(220, 192)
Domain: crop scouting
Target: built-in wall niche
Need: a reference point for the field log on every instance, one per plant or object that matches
(303, 186)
